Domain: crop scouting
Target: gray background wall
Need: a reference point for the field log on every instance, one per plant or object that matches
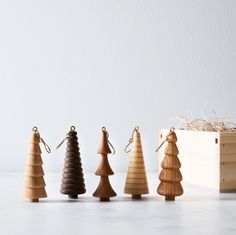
(113, 63)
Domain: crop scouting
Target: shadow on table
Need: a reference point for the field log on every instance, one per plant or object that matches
(91, 199)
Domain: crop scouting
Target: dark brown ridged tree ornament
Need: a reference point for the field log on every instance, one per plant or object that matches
(104, 190)
(72, 178)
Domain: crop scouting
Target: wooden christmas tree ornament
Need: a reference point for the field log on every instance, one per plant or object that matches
(136, 181)
(170, 175)
(34, 184)
(104, 190)
(72, 178)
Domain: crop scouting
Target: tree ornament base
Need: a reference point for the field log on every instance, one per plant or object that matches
(104, 199)
(170, 198)
(73, 196)
(34, 200)
(136, 196)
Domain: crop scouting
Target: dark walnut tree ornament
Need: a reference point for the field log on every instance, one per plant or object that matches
(72, 178)
(34, 184)
(104, 190)
(170, 175)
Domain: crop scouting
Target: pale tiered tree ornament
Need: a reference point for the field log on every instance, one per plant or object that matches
(72, 178)
(34, 184)
(136, 180)
(104, 190)
(170, 175)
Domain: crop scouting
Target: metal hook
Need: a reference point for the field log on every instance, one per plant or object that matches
(67, 135)
(114, 151)
(107, 136)
(105, 131)
(35, 130)
(61, 143)
(47, 148)
(172, 129)
(131, 140)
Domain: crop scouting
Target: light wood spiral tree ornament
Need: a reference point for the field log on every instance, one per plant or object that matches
(34, 184)
(136, 180)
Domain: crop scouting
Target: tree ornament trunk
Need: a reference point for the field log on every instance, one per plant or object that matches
(136, 196)
(169, 198)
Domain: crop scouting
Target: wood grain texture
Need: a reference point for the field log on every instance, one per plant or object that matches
(72, 178)
(136, 182)
(170, 175)
(212, 152)
(228, 138)
(104, 190)
(104, 168)
(104, 146)
(229, 157)
(34, 184)
(198, 151)
(34, 170)
(228, 148)
(34, 160)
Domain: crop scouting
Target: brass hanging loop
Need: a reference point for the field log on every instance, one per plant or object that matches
(172, 129)
(114, 151)
(107, 136)
(61, 143)
(47, 148)
(35, 130)
(45, 145)
(67, 135)
(131, 140)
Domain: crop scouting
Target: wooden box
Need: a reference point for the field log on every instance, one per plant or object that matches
(208, 158)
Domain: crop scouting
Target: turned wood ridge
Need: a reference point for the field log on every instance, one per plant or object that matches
(136, 182)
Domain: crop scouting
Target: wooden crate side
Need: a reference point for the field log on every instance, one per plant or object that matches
(224, 158)
(228, 186)
(228, 162)
(199, 155)
(228, 171)
(229, 148)
(228, 137)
